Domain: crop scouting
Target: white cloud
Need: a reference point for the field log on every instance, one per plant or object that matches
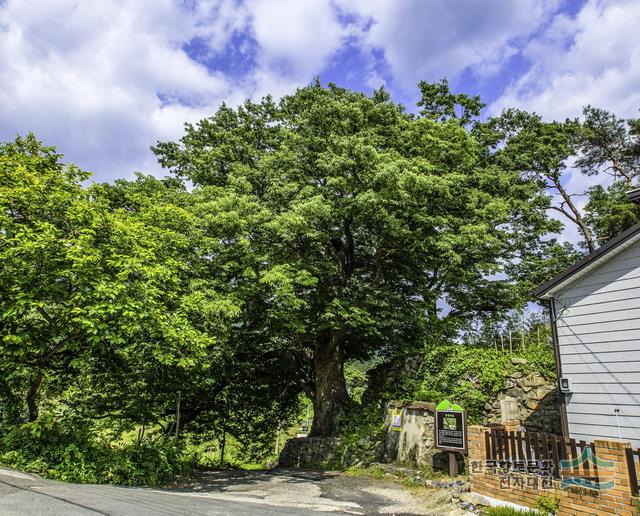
(105, 80)
(592, 58)
(93, 78)
(432, 39)
(295, 38)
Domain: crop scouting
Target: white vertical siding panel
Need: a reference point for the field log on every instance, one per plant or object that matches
(598, 320)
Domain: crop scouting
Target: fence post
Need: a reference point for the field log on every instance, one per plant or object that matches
(633, 474)
(615, 451)
(477, 447)
(477, 450)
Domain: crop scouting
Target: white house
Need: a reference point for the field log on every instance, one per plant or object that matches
(595, 307)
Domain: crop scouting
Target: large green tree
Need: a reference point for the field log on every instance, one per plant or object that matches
(89, 293)
(231, 387)
(346, 227)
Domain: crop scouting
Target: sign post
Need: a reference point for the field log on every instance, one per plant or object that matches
(451, 432)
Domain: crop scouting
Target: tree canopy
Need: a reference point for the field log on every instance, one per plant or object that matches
(291, 237)
(350, 228)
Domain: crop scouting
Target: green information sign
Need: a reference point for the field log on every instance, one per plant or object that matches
(451, 427)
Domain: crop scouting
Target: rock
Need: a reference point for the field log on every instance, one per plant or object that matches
(532, 404)
(534, 381)
(516, 360)
(541, 392)
(473, 499)
(514, 393)
(517, 375)
(460, 488)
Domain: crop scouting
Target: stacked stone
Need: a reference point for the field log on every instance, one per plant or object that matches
(537, 398)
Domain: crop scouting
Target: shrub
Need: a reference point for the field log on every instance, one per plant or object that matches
(375, 472)
(548, 504)
(475, 374)
(57, 451)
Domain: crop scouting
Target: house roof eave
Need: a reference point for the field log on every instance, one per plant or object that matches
(591, 261)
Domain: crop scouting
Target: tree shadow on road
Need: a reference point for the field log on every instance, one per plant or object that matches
(237, 480)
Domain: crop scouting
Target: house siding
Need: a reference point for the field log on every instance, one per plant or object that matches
(598, 322)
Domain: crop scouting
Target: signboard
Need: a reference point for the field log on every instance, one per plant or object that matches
(451, 427)
(396, 420)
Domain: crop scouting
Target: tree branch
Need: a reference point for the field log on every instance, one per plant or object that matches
(45, 315)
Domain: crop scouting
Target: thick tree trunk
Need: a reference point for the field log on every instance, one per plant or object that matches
(330, 395)
(32, 397)
(10, 412)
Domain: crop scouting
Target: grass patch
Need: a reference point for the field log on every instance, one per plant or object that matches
(411, 482)
(375, 472)
(508, 511)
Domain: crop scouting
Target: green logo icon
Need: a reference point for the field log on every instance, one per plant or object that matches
(605, 469)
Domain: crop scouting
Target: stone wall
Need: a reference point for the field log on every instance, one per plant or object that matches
(307, 452)
(412, 444)
(537, 403)
(534, 401)
(412, 441)
(536, 397)
(331, 452)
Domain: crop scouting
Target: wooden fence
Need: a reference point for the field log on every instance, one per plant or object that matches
(523, 447)
(634, 469)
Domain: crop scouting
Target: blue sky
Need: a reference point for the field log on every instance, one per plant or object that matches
(104, 80)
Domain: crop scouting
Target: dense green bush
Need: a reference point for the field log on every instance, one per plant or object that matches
(473, 375)
(205, 451)
(58, 451)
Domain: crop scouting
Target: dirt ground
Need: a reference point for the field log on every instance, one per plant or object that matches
(321, 491)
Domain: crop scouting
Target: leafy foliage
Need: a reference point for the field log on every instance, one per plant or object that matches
(341, 222)
(323, 231)
(88, 294)
(601, 144)
(549, 504)
(473, 375)
(72, 454)
(111, 310)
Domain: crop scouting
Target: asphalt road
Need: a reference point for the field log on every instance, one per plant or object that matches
(285, 492)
